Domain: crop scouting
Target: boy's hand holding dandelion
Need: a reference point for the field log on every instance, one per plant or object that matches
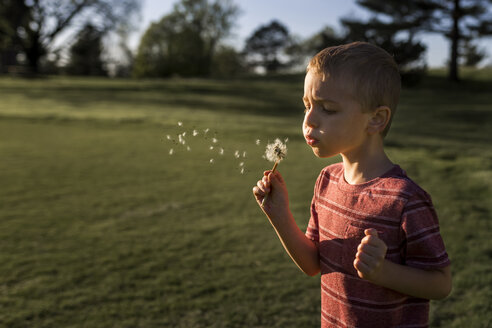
(270, 192)
(276, 205)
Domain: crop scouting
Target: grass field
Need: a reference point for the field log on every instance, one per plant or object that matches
(101, 227)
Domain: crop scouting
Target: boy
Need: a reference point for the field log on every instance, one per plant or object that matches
(373, 233)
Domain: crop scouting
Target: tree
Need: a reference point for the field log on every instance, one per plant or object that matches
(461, 21)
(42, 21)
(226, 63)
(472, 55)
(267, 45)
(12, 14)
(184, 42)
(327, 37)
(85, 53)
(395, 26)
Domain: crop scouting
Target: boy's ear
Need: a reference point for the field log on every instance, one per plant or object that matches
(379, 119)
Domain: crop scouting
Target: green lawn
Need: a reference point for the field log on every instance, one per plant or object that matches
(101, 227)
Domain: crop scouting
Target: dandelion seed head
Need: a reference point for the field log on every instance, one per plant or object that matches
(276, 151)
(258, 141)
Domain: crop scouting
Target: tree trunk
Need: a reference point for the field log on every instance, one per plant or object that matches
(455, 38)
(34, 51)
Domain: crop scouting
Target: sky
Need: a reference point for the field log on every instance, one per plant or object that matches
(302, 17)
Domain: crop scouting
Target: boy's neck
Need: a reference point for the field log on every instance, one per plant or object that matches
(366, 163)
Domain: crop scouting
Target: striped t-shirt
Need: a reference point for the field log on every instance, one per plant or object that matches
(403, 215)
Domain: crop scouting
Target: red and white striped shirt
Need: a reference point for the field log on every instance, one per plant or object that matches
(403, 214)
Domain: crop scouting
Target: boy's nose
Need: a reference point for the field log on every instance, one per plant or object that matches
(310, 118)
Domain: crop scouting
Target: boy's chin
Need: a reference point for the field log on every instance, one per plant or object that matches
(318, 153)
(321, 154)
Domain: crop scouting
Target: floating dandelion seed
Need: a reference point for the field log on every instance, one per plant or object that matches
(275, 152)
(171, 151)
(211, 147)
(236, 154)
(214, 140)
(241, 164)
(244, 154)
(206, 130)
(184, 133)
(211, 161)
(195, 133)
(242, 170)
(180, 123)
(221, 151)
(188, 148)
(258, 142)
(168, 137)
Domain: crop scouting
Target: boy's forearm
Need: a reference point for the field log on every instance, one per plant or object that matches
(302, 250)
(429, 284)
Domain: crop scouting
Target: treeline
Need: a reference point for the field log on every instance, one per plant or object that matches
(191, 39)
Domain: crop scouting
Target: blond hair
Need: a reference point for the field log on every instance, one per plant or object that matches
(371, 72)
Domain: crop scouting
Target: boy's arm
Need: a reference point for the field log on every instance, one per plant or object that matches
(302, 250)
(371, 265)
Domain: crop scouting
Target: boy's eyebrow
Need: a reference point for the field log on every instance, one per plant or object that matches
(321, 100)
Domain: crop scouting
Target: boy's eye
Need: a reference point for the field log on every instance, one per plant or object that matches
(329, 110)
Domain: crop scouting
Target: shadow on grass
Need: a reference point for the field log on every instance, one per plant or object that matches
(261, 96)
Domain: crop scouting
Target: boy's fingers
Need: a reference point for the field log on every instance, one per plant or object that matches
(371, 232)
(366, 259)
(368, 249)
(361, 267)
(261, 186)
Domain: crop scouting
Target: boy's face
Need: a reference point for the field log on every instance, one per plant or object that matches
(333, 122)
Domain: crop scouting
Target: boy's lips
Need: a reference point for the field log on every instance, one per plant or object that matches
(311, 141)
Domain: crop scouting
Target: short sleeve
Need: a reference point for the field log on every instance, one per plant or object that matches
(312, 230)
(423, 244)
